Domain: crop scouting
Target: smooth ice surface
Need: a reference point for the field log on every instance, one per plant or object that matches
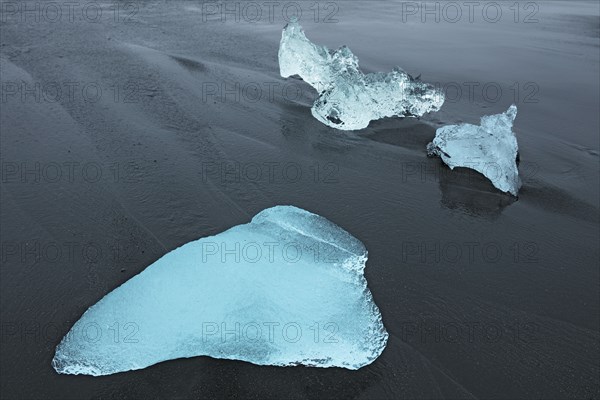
(349, 99)
(490, 148)
(285, 289)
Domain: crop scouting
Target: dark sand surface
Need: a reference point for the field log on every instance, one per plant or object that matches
(158, 140)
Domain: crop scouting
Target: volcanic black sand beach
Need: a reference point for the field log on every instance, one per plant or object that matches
(128, 133)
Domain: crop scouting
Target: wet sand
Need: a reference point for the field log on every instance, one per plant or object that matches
(483, 295)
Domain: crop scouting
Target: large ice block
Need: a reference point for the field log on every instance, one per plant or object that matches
(349, 99)
(490, 149)
(285, 289)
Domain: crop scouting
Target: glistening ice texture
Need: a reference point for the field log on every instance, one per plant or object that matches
(490, 149)
(285, 289)
(349, 99)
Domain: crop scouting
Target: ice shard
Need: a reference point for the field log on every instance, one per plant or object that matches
(285, 289)
(349, 99)
(490, 149)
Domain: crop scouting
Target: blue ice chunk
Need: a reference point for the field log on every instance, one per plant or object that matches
(285, 289)
(349, 99)
(490, 148)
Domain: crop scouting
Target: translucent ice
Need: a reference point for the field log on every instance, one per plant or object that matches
(349, 99)
(490, 149)
(285, 289)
